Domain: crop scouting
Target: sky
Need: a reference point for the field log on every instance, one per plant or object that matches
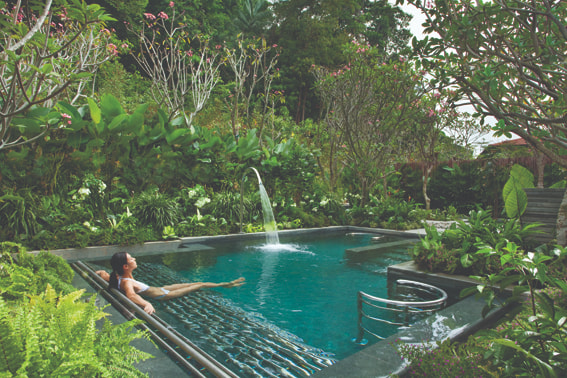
(417, 29)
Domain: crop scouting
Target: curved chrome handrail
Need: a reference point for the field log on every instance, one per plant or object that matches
(404, 307)
(431, 303)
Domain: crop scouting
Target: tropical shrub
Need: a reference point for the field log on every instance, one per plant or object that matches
(201, 225)
(156, 209)
(121, 229)
(533, 344)
(32, 274)
(387, 212)
(462, 241)
(227, 205)
(18, 215)
(432, 255)
(55, 335)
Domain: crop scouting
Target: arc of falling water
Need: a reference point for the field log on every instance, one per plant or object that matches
(269, 221)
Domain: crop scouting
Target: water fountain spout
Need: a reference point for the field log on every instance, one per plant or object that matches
(269, 220)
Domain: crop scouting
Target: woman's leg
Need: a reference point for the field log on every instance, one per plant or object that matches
(178, 290)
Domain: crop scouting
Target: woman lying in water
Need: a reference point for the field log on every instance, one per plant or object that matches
(121, 278)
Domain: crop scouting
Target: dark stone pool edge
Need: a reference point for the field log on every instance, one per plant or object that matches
(382, 359)
(379, 360)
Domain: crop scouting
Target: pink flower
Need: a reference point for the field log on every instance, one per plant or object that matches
(112, 48)
(163, 15)
(431, 113)
(149, 16)
(437, 95)
(171, 4)
(65, 115)
(189, 53)
(274, 45)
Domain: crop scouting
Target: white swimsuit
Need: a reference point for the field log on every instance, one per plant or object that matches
(143, 286)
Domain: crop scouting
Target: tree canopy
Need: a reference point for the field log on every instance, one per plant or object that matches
(507, 58)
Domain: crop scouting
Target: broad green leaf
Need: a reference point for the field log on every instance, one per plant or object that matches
(94, 110)
(110, 107)
(515, 198)
(117, 121)
(171, 137)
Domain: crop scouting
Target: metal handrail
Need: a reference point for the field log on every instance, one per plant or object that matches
(198, 355)
(404, 307)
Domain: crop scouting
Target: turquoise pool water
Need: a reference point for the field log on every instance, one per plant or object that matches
(299, 300)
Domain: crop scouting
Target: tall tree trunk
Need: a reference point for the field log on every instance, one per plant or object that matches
(426, 172)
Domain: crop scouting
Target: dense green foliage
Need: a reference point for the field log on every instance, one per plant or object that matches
(55, 335)
(47, 328)
(482, 48)
(456, 250)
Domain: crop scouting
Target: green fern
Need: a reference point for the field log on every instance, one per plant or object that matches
(11, 357)
(53, 335)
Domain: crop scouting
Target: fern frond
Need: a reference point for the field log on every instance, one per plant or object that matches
(10, 346)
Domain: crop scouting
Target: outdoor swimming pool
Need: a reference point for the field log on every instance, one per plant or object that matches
(297, 312)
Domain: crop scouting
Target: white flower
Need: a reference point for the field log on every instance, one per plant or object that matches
(202, 201)
(83, 193)
(314, 209)
(192, 193)
(324, 201)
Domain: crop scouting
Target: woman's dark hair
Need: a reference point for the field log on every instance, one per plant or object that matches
(117, 262)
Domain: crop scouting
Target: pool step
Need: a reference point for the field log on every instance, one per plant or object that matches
(367, 249)
(194, 247)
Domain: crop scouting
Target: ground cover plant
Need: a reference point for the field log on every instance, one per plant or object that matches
(50, 329)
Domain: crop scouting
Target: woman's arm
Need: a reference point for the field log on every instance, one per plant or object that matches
(128, 289)
(103, 274)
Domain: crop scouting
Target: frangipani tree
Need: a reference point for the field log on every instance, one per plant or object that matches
(175, 69)
(253, 63)
(436, 132)
(507, 59)
(372, 103)
(49, 51)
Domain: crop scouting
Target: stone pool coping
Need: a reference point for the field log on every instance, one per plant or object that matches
(377, 360)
